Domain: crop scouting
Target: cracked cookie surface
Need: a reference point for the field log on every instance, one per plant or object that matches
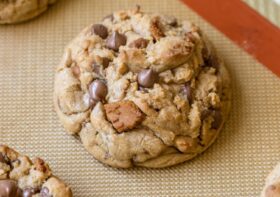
(22, 177)
(142, 90)
(15, 11)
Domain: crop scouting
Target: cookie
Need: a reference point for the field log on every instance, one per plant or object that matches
(15, 11)
(142, 90)
(22, 177)
(272, 184)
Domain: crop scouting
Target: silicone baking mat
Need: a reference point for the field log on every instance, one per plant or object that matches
(236, 165)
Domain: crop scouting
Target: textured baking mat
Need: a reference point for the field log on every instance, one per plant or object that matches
(236, 165)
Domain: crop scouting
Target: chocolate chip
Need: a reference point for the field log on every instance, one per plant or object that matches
(29, 191)
(105, 62)
(2, 158)
(98, 90)
(218, 119)
(173, 22)
(139, 43)
(187, 91)
(212, 61)
(76, 71)
(205, 53)
(100, 30)
(116, 40)
(45, 192)
(147, 78)
(205, 114)
(217, 116)
(9, 188)
(92, 102)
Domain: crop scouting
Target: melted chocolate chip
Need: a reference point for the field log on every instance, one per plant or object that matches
(116, 40)
(98, 90)
(100, 30)
(205, 114)
(29, 191)
(217, 116)
(2, 158)
(147, 78)
(105, 62)
(188, 92)
(9, 188)
(211, 61)
(45, 192)
(218, 119)
(139, 43)
(205, 53)
(173, 22)
(92, 102)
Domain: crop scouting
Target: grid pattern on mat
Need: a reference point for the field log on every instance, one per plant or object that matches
(235, 165)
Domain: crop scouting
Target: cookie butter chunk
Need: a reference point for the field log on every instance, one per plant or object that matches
(123, 115)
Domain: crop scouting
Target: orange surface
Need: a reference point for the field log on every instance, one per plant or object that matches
(244, 26)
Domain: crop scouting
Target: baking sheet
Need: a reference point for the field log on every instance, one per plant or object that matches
(236, 165)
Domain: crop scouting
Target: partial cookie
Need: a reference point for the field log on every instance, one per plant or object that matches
(272, 184)
(142, 90)
(22, 177)
(15, 11)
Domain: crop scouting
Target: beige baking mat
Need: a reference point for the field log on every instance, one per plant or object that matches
(235, 165)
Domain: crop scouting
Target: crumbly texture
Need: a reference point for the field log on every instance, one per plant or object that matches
(15, 11)
(31, 178)
(178, 86)
(272, 183)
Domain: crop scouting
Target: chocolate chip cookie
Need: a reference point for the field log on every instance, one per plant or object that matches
(142, 90)
(272, 184)
(21, 177)
(14, 11)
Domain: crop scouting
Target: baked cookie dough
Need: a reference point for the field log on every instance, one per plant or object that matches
(21, 177)
(142, 90)
(272, 184)
(15, 11)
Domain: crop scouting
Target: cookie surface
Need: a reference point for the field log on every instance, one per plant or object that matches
(272, 183)
(21, 177)
(142, 90)
(15, 11)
